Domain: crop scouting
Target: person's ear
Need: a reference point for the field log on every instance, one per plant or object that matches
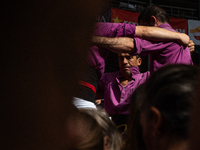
(139, 61)
(156, 119)
(153, 21)
(106, 140)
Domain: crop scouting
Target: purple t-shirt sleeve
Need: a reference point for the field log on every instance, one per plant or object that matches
(145, 47)
(114, 29)
(106, 79)
(96, 56)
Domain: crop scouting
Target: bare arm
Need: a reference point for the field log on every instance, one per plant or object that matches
(115, 44)
(126, 44)
(160, 34)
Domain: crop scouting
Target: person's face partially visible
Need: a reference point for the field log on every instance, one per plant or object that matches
(126, 61)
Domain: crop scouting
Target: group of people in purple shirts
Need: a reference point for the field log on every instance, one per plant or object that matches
(42, 60)
(154, 37)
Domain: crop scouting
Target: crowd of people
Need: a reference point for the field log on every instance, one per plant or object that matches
(152, 107)
(54, 70)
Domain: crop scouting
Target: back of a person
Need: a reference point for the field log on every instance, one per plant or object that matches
(163, 53)
(173, 53)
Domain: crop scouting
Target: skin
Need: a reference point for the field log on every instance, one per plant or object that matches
(98, 101)
(126, 44)
(147, 31)
(125, 62)
(191, 46)
(115, 44)
(155, 22)
(157, 34)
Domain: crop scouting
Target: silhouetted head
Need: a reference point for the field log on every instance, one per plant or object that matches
(152, 14)
(161, 106)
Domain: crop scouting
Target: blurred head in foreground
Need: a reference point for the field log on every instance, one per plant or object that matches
(97, 131)
(40, 54)
(160, 110)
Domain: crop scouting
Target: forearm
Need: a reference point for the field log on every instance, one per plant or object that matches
(115, 44)
(160, 34)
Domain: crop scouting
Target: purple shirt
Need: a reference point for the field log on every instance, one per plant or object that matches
(96, 56)
(116, 97)
(163, 53)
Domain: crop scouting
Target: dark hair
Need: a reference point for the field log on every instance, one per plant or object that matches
(170, 90)
(153, 10)
(134, 138)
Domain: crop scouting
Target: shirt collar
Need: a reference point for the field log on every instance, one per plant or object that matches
(134, 71)
(165, 25)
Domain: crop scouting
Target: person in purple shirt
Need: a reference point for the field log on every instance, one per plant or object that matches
(169, 53)
(161, 53)
(96, 56)
(117, 87)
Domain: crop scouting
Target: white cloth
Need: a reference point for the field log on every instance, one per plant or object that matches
(81, 103)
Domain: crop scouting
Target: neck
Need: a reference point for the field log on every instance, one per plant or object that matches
(179, 145)
(127, 77)
(125, 80)
(159, 23)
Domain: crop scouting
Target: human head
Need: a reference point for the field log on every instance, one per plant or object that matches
(97, 131)
(39, 69)
(163, 105)
(153, 15)
(126, 61)
(195, 120)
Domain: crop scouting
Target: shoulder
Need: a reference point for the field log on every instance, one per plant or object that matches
(167, 26)
(144, 75)
(110, 75)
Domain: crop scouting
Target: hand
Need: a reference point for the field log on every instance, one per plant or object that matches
(191, 46)
(98, 101)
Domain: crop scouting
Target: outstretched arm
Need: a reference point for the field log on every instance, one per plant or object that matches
(160, 34)
(126, 44)
(115, 44)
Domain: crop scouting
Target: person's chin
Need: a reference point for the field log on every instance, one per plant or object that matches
(126, 68)
(127, 72)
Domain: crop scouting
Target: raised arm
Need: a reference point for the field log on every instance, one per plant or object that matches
(115, 44)
(160, 34)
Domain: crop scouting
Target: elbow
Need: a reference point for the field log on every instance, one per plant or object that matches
(131, 46)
